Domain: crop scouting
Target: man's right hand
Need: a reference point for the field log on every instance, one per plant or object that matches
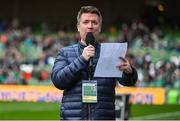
(88, 52)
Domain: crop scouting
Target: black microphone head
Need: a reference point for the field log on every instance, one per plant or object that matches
(90, 39)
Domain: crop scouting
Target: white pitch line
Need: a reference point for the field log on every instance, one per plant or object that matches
(160, 115)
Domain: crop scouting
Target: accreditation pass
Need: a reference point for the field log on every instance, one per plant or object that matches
(89, 91)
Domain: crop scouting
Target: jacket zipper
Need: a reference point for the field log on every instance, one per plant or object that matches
(89, 105)
(89, 112)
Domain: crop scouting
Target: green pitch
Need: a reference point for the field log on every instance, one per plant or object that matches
(29, 111)
(158, 112)
(50, 111)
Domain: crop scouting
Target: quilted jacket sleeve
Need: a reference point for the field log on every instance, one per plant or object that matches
(63, 73)
(129, 79)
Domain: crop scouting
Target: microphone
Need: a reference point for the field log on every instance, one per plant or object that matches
(90, 40)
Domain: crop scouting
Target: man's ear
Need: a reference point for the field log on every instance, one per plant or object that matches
(77, 27)
(100, 28)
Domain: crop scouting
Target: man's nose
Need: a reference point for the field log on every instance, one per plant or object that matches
(90, 25)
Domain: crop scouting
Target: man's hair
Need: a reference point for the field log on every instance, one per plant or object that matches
(89, 9)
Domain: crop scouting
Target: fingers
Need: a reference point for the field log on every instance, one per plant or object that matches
(123, 59)
(90, 48)
(88, 52)
(125, 65)
(122, 66)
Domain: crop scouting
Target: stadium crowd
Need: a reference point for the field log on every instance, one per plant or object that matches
(27, 57)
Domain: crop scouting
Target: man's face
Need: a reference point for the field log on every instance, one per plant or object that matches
(89, 22)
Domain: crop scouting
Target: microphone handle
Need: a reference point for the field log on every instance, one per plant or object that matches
(90, 76)
(90, 67)
(91, 58)
(90, 62)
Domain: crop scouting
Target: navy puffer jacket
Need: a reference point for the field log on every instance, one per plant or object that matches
(70, 68)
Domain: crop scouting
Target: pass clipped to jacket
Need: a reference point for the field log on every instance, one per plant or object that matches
(89, 91)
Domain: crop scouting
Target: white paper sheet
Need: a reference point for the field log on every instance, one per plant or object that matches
(109, 59)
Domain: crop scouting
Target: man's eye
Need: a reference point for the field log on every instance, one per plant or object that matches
(95, 22)
(85, 22)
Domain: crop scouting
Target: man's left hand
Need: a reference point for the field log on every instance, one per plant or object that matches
(125, 66)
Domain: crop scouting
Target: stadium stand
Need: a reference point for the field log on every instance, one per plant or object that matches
(27, 55)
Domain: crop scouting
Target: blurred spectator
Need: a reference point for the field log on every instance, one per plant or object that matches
(27, 56)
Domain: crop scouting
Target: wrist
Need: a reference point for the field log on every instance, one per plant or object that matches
(85, 57)
(129, 70)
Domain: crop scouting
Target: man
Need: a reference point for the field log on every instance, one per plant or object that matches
(71, 69)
